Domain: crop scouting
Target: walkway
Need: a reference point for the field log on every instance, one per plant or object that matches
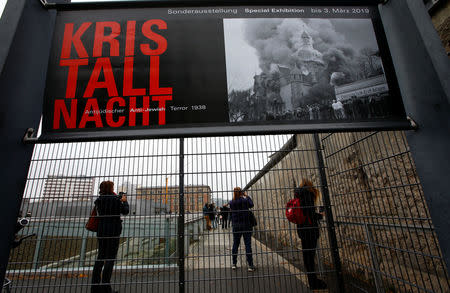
(208, 269)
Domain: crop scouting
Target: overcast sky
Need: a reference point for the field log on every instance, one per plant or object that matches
(241, 59)
(2, 6)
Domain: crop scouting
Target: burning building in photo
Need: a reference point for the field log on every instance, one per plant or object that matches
(305, 66)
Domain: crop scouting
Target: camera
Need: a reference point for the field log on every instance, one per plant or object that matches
(23, 222)
(121, 194)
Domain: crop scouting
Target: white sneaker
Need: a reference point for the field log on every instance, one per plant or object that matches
(233, 267)
(251, 269)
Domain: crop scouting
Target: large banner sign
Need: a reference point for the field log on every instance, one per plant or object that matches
(199, 71)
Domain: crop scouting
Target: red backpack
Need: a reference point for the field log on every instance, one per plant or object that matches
(294, 212)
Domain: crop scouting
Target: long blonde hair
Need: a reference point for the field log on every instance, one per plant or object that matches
(306, 183)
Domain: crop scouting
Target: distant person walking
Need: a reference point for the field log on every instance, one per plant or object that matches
(240, 217)
(109, 208)
(309, 231)
(206, 216)
(225, 212)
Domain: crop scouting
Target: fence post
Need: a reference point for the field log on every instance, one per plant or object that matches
(83, 250)
(37, 249)
(422, 71)
(329, 216)
(181, 221)
(187, 233)
(373, 256)
(167, 240)
(319, 258)
(26, 31)
(196, 230)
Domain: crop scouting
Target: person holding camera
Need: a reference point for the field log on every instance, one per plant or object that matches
(242, 227)
(109, 208)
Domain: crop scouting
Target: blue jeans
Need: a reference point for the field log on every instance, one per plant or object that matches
(246, 232)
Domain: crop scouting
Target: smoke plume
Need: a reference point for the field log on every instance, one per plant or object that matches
(276, 40)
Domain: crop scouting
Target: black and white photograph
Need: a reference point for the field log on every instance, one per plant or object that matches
(305, 69)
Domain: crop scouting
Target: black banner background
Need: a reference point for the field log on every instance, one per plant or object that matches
(193, 66)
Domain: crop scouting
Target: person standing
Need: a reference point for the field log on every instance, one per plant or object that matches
(206, 215)
(240, 217)
(225, 212)
(309, 232)
(212, 215)
(109, 208)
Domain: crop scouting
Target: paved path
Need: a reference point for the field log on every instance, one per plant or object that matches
(208, 269)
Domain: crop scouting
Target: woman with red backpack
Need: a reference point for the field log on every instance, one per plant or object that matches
(308, 230)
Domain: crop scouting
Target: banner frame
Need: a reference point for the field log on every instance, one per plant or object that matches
(218, 131)
(287, 127)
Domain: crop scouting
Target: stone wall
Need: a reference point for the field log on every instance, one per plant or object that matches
(375, 195)
(441, 21)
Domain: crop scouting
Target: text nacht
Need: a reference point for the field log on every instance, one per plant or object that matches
(132, 101)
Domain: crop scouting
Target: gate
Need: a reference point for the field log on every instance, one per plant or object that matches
(376, 235)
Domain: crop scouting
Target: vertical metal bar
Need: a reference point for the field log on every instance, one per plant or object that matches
(426, 97)
(83, 251)
(375, 265)
(167, 240)
(319, 257)
(181, 272)
(37, 249)
(329, 216)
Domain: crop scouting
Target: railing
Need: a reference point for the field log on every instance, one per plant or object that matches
(148, 231)
(375, 211)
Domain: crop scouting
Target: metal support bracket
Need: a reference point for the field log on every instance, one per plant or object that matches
(46, 4)
(413, 123)
(30, 136)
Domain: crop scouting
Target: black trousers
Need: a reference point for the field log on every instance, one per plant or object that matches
(103, 266)
(309, 245)
(224, 222)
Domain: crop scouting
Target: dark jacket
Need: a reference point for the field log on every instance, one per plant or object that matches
(109, 209)
(224, 212)
(211, 212)
(240, 215)
(310, 229)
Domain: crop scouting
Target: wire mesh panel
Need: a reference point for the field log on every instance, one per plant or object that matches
(266, 169)
(188, 226)
(386, 237)
(62, 186)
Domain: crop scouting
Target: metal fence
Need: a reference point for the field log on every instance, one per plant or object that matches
(386, 236)
(376, 234)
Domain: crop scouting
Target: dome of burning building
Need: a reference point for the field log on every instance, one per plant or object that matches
(306, 52)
